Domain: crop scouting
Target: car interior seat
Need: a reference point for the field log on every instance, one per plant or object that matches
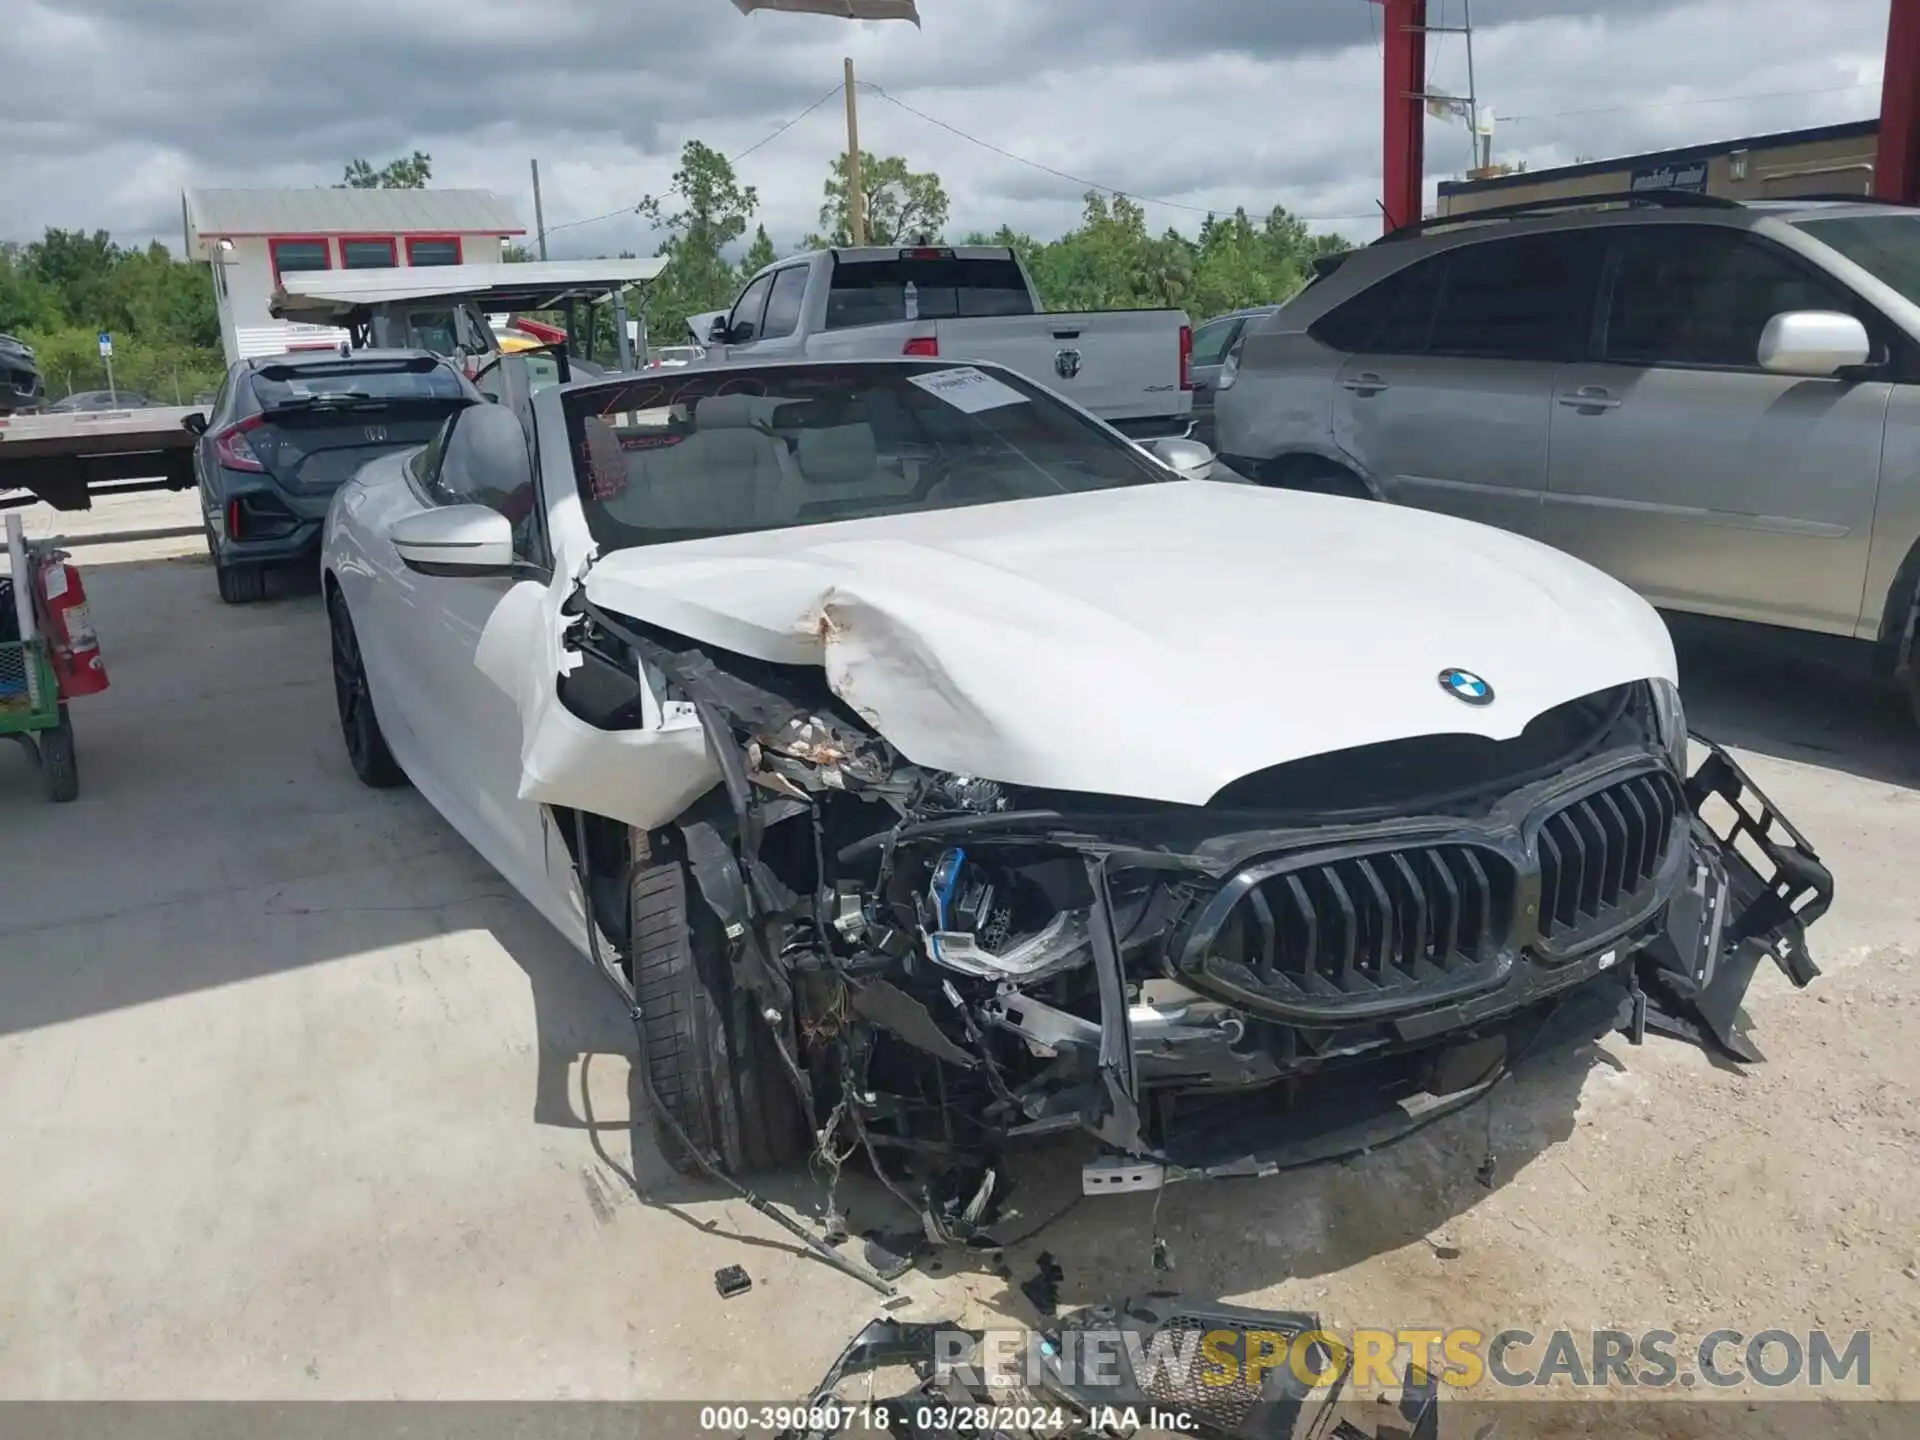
(726, 474)
(840, 468)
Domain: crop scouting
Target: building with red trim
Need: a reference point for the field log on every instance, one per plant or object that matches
(250, 238)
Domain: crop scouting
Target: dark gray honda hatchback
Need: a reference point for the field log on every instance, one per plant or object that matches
(288, 430)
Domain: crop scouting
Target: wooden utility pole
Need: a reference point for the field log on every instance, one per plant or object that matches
(539, 215)
(856, 196)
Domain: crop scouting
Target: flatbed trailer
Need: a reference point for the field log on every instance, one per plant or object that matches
(65, 460)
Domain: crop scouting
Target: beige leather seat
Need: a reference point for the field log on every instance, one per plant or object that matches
(726, 475)
(841, 463)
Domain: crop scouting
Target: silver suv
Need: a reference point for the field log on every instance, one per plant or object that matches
(1718, 403)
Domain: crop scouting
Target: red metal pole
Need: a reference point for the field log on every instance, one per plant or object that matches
(1896, 171)
(1404, 133)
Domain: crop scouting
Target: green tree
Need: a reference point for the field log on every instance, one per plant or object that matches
(705, 210)
(513, 254)
(760, 254)
(408, 172)
(57, 292)
(78, 267)
(901, 205)
(1111, 260)
(28, 304)
(152, 295)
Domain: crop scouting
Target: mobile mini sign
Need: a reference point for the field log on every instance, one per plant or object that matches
(1691, 177)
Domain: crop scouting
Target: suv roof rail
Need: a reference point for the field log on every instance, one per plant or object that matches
(1659, 199)
(1832, 198)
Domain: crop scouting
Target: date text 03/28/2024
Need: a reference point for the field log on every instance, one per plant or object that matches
(880, 1416)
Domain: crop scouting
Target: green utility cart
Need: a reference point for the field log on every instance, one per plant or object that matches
(31, 711)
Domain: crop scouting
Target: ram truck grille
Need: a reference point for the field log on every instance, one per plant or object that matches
(1601, 855)
(1363, 931)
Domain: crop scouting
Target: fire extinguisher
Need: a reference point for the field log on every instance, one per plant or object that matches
(71, 643)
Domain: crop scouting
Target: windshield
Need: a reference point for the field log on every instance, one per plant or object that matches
(290, 385)
(683, 456)
(1886, 246)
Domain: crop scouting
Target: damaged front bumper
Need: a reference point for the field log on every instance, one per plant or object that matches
(1575, 947)
(1314, 962)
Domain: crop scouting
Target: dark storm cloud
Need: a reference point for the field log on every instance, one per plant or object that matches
(114, 105)
(1130, 29)
(230, 82)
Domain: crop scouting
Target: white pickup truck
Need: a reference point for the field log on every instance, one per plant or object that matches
(1132, 368)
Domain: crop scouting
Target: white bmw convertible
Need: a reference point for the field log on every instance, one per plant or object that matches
(934, 768)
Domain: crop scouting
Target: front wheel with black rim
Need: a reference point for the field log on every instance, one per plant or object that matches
(710, 1056)
(367, 748)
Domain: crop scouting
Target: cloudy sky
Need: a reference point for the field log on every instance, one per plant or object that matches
(114, 106)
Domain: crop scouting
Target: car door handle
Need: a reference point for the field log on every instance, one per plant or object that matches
(1590, 397)
(1365, 383)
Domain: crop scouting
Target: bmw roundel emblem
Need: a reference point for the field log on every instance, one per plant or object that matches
(1466, 686)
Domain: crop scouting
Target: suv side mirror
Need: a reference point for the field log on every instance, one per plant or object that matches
(1814, 343)
(194, 424)
(717, 332)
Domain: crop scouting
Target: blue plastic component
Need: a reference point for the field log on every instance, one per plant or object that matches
(946, 880)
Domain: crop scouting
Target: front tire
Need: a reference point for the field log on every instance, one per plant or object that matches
(710, 1057)
(366, 746)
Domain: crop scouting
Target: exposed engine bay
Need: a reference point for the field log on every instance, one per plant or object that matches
(1323, 956)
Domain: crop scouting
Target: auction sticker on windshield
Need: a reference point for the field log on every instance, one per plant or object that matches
(968, 389)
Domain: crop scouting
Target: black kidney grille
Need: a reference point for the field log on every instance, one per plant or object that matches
(1600, 853)
(1397, 920)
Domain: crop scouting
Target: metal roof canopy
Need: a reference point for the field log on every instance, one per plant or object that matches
(845, 9)
(339, 297)
(1896, 171)
(212, 214)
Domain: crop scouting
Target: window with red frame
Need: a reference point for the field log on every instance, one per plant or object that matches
(433, 250)
(367, 252)
(304, 252)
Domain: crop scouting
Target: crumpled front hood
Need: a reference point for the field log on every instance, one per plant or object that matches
(1157, 642)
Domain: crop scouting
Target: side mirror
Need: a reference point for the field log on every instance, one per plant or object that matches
(1189, 459)
(456, 540)
(194, 424)
(1815, 343)
(717, 332)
